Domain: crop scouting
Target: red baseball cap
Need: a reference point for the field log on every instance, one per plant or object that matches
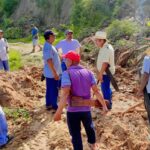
(72, 55)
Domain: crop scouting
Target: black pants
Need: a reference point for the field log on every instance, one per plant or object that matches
(74, 120)
(147, 103)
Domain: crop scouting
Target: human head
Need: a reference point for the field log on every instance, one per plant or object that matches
(32, 25)
(100, 38)
(49, 36)
(72, 58)
(69, 34)
(1, 34)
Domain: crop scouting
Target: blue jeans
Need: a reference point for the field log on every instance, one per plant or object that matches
(106, 90)
(52, 92)
(4, 65)
(74, 120)
(3, 130)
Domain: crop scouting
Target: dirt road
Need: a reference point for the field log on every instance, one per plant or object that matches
(122, 128)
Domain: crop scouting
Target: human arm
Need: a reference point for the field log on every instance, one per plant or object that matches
(51, 66)
(101, 72)
(145, 76)
(143, 82)
(63, 100)
(99, 97)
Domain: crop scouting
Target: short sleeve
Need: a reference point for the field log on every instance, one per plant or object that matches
(106, 56)
(78, 45)
(65, 81)
(59, 45)
(146, 65)
(93, 81)
(47, 52)
(6, 43)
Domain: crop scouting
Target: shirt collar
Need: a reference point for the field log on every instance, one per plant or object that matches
(76, 67)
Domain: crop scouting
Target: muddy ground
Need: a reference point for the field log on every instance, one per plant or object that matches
(123, 128)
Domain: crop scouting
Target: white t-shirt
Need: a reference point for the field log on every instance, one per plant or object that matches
(106, 55)
(146, 69)
(3, 52)
(67, 46)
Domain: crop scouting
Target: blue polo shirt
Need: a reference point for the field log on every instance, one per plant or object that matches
(34, 31)
(50, 52)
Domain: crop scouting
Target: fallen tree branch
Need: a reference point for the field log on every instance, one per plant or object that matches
(132, 108)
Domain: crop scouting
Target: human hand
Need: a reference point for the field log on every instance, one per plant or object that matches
(105, 109)
(100, 77)
(139, 93)
(57, 116)
(56, 76)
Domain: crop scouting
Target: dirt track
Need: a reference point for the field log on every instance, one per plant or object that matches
(120, 129)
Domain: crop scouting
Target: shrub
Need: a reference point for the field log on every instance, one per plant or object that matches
(13, 33)
(121, 28)
(15, 60)
(9, 6)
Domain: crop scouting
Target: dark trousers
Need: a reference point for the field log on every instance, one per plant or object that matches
(51, 92)
(4, 65)
(106, 90)
(147, 103)
(74, 120)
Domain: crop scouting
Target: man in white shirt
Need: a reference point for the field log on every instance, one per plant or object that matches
(105, 59)
(66, 45)
(3, 52)
(145, 84)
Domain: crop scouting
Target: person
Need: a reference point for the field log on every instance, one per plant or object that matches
(35, 37)
(52, 70)
(4, 64)
(145, 84)
(66, 45)
(78, 81)
(4, 137)
(105, 59)
(1, 65)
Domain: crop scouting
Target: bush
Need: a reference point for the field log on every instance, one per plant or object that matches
(13, 33)
(124, 43)
(9, 6)
(15, 60)
(119, 29)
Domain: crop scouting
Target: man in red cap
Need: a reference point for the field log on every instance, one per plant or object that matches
(77, 82)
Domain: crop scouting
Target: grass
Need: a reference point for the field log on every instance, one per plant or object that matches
(24, 40)
(17, 113)
(15, 61)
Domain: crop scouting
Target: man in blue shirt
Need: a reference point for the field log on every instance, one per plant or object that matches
(52, 70)
(4, 137)
(35, 37)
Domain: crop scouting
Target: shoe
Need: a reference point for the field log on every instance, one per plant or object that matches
(10, 138)
(48, 108)
(42, 77)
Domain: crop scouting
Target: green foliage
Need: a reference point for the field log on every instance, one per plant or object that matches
(13, 33)
(121, 28)
(90, 15)
(123, 42)
(88, 47)
(9, 6)
(7, 22)
(17, 113)
(15, 60)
